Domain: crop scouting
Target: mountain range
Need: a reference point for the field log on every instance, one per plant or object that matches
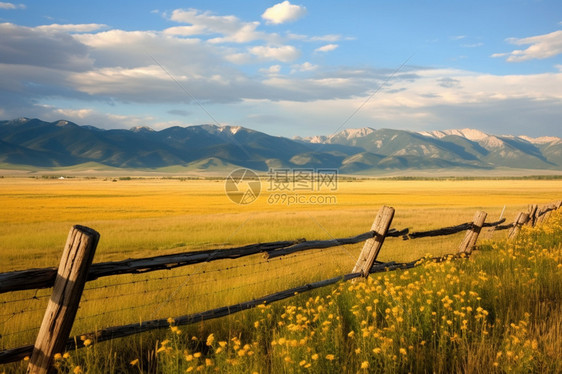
(39, 144)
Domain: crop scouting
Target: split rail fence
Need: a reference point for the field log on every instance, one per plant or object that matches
(76, 269)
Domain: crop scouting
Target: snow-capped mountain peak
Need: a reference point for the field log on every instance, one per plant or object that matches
(541, 140)
(354, 133)
(470, 134)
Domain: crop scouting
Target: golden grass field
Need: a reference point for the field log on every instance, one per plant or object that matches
(148, 217)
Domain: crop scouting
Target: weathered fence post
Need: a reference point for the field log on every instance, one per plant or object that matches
(372, 246)
(544, 212)
(533, 212)
(469, 241)
(71, 276)
(556, 205)
(520, 220)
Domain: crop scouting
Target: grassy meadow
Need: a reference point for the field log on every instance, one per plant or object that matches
(148, 217)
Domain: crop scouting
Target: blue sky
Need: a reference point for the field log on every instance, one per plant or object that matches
(286, 68)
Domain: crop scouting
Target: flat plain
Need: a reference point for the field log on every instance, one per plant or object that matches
(141, 217)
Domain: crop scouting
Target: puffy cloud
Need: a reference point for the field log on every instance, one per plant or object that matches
(285, 53)
(326, 48)
(11, 6)
(231, 28)
(22, 45)
(130, 49)
(273, 69)
(283, 12)
(152, 84)
(306, 66)
(541, 46)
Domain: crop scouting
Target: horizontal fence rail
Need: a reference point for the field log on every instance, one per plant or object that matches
(115, 332)
(45, 278)
(367, 264)
(448, 230)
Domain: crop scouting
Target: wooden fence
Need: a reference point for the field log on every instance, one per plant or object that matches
(76, 269)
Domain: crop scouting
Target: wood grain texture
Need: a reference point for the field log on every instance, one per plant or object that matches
(469, 241)
(520, 220)
(71, 276)
(373, 246)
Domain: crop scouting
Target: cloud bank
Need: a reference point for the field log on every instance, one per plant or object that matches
(242, 72)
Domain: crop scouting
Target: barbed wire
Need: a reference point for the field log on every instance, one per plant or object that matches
(206, 294)
(34, 297)
(85, 298)
(227, 268)
(282, 261)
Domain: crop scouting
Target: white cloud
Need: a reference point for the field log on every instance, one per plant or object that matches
(285, 53)
(11, 6)
(191, 30)
(273, 69)
(541, 46)
(326, 48)
(88, 27)
(230, 28)
(283, 12)
(239, 58)
(306, 66)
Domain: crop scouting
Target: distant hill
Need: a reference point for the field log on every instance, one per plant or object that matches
(35, 143)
